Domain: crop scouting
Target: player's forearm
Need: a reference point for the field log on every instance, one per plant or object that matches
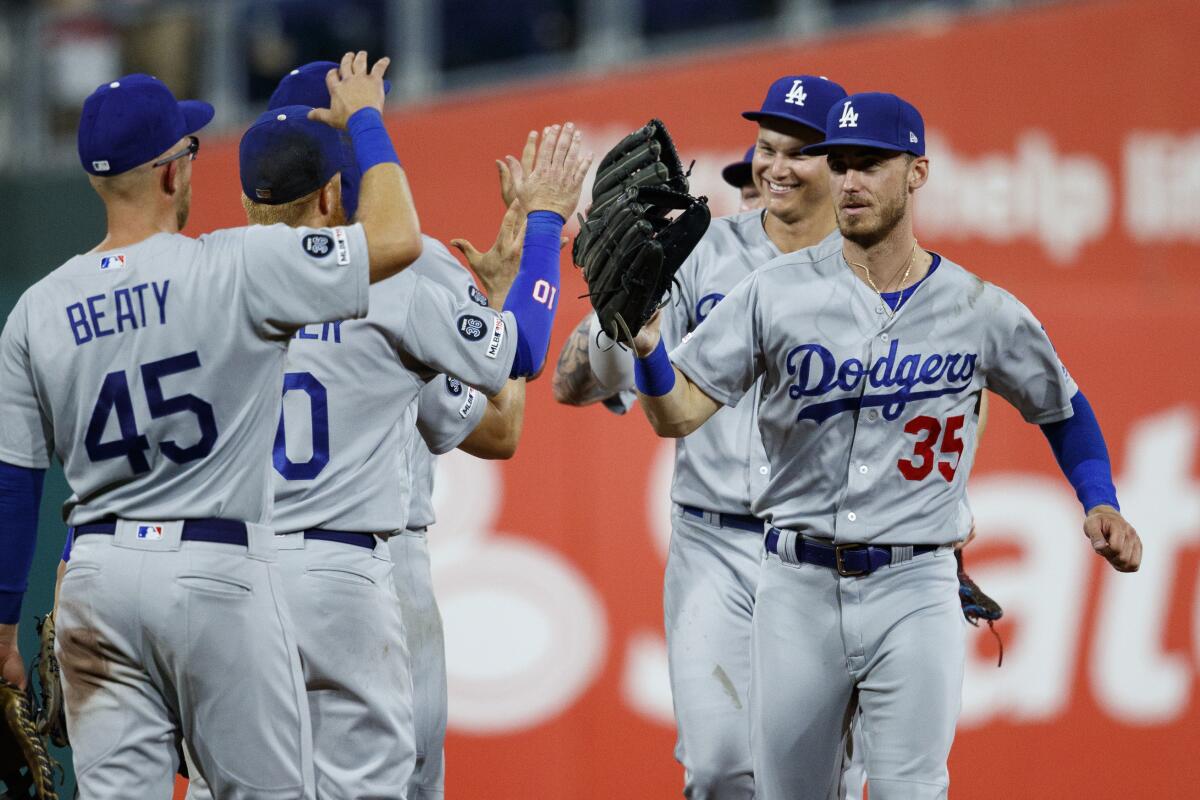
(20, 496)
(385, 205)
(574, 383)
(678, 412)
(674, 405)
(533, 298)
(500, 429)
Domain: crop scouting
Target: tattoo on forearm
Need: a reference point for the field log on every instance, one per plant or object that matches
(574, 383)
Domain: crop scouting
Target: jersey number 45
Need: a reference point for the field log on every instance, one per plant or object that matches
(115, 397)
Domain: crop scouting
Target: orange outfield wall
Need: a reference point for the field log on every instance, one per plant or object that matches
(1065, 162)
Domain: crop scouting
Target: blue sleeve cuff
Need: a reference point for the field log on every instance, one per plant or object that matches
(1082, 454)
(20, 496)
(534, 293)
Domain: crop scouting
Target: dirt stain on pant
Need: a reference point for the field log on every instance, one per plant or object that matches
(727, 685)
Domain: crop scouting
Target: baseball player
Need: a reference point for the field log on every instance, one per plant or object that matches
(332, 507)
(716, 538)
(452, 414)
(740, 175)
(872, 356)
(150, 366)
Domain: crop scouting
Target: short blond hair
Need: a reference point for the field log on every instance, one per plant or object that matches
(292, 213)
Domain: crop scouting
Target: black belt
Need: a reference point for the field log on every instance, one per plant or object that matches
(743, 522)
(221, 531)
(848, 559)
(356, 538)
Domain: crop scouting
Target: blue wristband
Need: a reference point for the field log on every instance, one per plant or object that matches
(654, 374)
(372, 145)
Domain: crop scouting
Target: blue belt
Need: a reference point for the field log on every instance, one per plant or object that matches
(849, 560)
(743, 522)
(357, 538)
(221, 531)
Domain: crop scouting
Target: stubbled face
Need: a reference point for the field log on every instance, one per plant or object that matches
(751, 197)
(871, 191)
(793, 185)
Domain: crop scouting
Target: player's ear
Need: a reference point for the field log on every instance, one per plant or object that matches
(918, 173)
(167, 180)
(325, 199)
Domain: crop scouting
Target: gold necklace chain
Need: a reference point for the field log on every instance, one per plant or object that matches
(891, 312)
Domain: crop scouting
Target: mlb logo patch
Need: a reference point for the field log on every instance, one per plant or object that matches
(150, 532)
(112, 262)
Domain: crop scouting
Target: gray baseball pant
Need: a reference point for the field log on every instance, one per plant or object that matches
(159, 638)
(890, 644)
(427, 654)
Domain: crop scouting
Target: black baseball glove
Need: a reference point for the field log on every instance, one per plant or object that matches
(978, 606)
(26, 769)
(629, 245)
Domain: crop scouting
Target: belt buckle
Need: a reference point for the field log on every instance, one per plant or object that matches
(838, 549)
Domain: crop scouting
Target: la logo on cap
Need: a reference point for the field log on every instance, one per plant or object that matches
(849, 118)
(796, 95)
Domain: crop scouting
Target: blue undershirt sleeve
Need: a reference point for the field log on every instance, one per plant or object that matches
(20, 497)
(533, 296)
(1082, 455)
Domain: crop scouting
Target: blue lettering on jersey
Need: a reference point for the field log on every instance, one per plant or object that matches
(330, 332)
(124, 310)
(706, 305)
(817, 374)
(477, 296)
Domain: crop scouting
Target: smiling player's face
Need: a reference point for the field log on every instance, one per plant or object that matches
(793, 185)
(871, 190)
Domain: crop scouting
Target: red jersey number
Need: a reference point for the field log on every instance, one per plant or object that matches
(924, 457)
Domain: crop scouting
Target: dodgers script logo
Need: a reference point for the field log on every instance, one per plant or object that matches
(817, 374)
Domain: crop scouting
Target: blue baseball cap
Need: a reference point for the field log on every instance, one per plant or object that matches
(873, 119)
(285, 155)
(805, 99)
(132, 120)
(737, 174)
(305, 86)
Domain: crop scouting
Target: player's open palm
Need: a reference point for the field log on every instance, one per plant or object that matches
(497, 268)
(559, 169)
(1114, 538)
(352, 87)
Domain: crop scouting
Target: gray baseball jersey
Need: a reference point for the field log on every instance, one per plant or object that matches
(152, 371)
(448, 410)
(868, 418)
(339, 449)
(722, 466)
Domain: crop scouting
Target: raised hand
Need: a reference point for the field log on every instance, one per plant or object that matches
(558, 172)
(497, 268)
(1114, 538)
(352, 87)
(508, 180)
